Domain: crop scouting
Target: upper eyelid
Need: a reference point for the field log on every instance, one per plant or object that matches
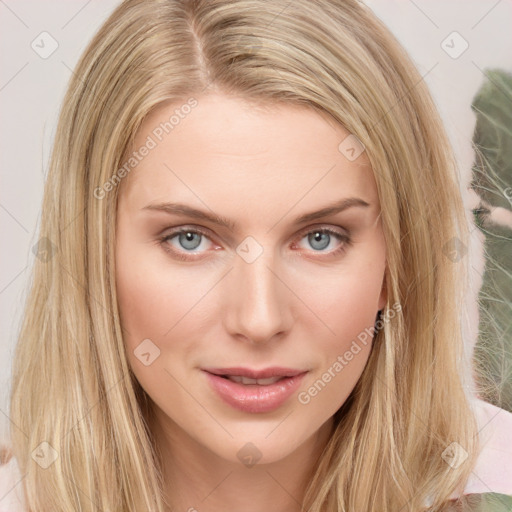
(321, 227)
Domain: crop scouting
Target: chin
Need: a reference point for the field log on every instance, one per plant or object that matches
(256, 446)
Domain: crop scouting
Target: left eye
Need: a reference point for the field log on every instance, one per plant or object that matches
(191, 240)
(320, 239)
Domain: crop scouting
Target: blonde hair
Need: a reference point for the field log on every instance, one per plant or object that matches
(72, 385)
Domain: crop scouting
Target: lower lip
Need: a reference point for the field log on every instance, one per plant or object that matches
(254, 398)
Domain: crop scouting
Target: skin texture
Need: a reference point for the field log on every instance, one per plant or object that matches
(297, 305)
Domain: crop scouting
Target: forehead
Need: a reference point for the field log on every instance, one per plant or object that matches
(228, 152)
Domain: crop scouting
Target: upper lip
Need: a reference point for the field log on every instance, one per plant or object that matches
(274, 371)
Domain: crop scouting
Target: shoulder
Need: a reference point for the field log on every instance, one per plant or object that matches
(11, 487)
(493, 470)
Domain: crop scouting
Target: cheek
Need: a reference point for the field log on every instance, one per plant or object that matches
(348, 307)
(347, 304)
(346, 301)
(153, 294)
(139, 293)
(151, 299)
(163, 303)
(153, 306)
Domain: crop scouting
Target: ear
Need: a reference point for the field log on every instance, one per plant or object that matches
(383, 299)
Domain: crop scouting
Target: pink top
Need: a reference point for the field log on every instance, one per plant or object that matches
(493, 470)
(492, 473)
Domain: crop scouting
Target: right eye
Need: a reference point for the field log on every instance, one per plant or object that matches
(187, 239)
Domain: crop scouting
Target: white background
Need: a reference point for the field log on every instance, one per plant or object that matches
(31, 89)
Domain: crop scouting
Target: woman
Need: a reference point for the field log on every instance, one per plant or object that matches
(251, 289)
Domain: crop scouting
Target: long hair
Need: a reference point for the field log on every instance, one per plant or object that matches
(72, 386)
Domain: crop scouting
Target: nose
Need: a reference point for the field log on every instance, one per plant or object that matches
(259, 307)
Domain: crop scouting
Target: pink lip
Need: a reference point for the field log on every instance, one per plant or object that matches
(255, 398)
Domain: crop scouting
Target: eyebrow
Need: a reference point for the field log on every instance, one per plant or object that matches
(189, 211)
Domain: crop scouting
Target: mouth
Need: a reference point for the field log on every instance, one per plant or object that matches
(254, 391)
(274, 372)
(247, 380)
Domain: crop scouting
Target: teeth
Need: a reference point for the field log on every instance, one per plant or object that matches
(247, 380)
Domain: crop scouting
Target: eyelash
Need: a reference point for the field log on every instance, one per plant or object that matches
(343, 237)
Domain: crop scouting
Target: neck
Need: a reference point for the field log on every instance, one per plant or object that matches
(198, 480)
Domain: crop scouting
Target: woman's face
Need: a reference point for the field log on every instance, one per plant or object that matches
(271, 286)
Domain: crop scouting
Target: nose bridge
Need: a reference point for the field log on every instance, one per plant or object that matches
(258, 300)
